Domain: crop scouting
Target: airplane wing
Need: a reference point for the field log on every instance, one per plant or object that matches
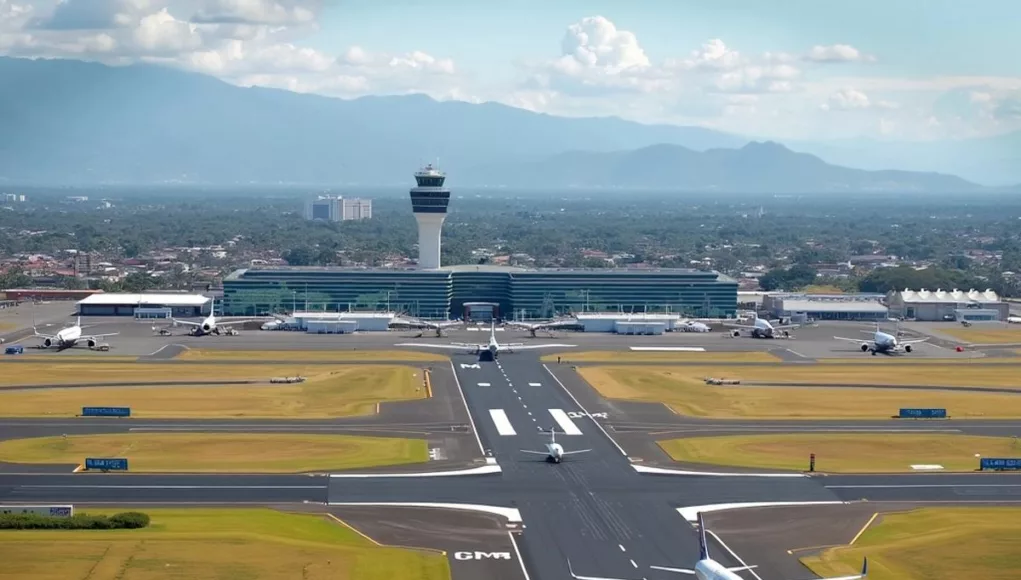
(576, 577)
(577, 451)
(187, 322)
(903, 342)
(226, 321)
(675, 570)
(535, 452)
(732, 325)
(535, 346)
(858, 340)
(787, 327)
(95, 336)
(446, 346)
(41, 335)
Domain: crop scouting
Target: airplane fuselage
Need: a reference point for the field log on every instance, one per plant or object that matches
(67, 337)
(884, 343)
(556, 452)
(713, 570)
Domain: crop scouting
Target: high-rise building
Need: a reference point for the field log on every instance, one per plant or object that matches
(335, 209)
(429, 203)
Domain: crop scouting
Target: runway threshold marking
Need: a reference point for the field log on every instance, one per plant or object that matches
(565, 422)
(503, 425)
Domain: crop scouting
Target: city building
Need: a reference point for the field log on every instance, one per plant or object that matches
(799, 306)
(14, 197)
(144, 305)
(335, 209)
(475, 291)
(429, 200)
(81, 264)
(926, 305)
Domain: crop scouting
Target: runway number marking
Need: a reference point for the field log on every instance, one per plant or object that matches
(471, 366)
(578, 415)
(482, 556)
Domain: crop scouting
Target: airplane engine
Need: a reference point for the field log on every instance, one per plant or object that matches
(735, 333)
(786, 334)
(907, 348)
(92, 343)
(47, 342)
(206, 328)
(864, 347)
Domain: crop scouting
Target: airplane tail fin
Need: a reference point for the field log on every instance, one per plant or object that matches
(703, 547)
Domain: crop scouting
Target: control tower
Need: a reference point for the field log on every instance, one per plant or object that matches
(429, 202)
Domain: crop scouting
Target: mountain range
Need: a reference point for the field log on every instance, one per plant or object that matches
(76, 123)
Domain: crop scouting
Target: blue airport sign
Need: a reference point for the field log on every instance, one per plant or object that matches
(923, 414)
(999, 464)
(106, 464)
(106, 411)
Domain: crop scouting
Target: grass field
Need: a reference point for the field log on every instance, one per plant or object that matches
(688, 396)
(345, 391)
(45, 373)
(311, 355)
(842, 452)
(932, 544)
(654, 356)
(985, 335)
(214, 544)
(220, 452)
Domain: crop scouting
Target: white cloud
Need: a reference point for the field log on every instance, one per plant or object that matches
(94, 14)
(279, 12)
(595, 42)
(161, 33)
(713, 55)
(837, 53)
(847, 99)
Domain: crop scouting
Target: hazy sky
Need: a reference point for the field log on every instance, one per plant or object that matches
(789, 69)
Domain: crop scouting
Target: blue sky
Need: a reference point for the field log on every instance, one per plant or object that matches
(789, 69)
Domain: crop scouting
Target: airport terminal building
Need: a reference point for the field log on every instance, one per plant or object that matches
(514, 292)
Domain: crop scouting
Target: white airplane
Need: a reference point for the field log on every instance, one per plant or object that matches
(761, 328)
(533, 327)
(693, 326)
(70, 336)
(554, 451)
(437, 327)
(487, 352)
(212, 325)
(883, 342)
(708, 569)
(1014, 320)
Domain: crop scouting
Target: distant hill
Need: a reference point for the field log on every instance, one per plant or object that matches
(71, 122)
(755, 167)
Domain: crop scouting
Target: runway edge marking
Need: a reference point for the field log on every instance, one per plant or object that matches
(573, 398)
(517, 552)
(374, 542)
(471, 419)
(512, 515)
(690, 513)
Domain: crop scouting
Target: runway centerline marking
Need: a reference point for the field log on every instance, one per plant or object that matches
(534, 384)
(565, 422)
(484, 385)
(503, 425)
(621, 546)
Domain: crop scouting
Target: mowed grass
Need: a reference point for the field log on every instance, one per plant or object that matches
(932, 544)
(213, 544)
(661, 356)
(59, 373)
(342, 392)
(220, 452)
(985, 335)
(311, 355)
(842, 452)
(690, 396)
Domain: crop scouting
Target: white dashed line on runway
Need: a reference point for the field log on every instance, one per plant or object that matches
(534, 384)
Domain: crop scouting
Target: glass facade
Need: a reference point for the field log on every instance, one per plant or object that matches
(443, 293)
(430, 201)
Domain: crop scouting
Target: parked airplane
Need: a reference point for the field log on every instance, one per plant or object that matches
(487, 352)
(883, 342)
(212, 325)
(70, 336)
(693, 326)
(533, 327)
(1014, 319)
(708, 569)
(761, 328)
(554, 451)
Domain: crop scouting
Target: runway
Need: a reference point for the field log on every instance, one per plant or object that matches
(594, 509)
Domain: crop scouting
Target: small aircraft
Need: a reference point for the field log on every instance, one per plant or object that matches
(70, 336)
(708, 569)
(761, 328)
(487, 352)
(883, 343)
(533, 327)
(554, 451)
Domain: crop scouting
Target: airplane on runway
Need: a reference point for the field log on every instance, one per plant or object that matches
(883, 343)
(533, 327)
(70, 336)
(487, 352)
(761, 328)
(708, 569)
(554, 451)
(212, 325)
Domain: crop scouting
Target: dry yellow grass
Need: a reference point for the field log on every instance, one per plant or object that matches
(842, 452)
(654, 356)
(932, 544)
(343, 391)
(46, 373)
(220, 452)
(979, 335)
(688, 396)
(311, 355)
(213, 544)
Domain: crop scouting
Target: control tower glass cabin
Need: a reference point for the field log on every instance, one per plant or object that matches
(429, 203)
